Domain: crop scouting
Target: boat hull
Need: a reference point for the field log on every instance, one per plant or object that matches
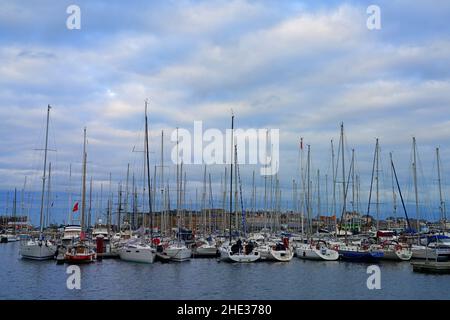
(141, 255)
(360, 256)
(206, 251)
(309, 253)
(37, 251)
(268, 254)
(178, 254)
(397, 255)
(228, 256)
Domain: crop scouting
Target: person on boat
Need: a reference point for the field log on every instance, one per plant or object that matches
(235, 248)
(249, 247)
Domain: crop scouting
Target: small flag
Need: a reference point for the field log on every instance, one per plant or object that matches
(75, 207)
(301, 143)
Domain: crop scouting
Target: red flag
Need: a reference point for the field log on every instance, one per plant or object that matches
(75, 207)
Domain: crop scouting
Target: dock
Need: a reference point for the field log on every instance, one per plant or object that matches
(431, 266)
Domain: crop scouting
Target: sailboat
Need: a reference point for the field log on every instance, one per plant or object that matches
(41, 248)
(392, 250)
(350, 251)
(10, 235)
(240, 251)
(310, 250)
(137, 250)
(81, 251)
(177, 250)
(206, 246)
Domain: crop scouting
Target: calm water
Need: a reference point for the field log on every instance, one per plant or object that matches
(209, 279)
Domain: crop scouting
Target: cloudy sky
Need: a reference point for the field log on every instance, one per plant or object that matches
(298, 66)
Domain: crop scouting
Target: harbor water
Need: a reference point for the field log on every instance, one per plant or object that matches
(210, 279)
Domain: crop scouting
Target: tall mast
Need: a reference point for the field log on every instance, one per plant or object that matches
(224, 205)
(163, 217)
(90, 204)
(70, 194)
(441, 199)
(415, 184)
(353, 182)
(308, 193)
(231, 171)
(83, 195)
(378, 184)
(344, 208)
(148, 175)
(47, 219)
(326, 194)
(253, 198)
(204, 201)
(394, 196)
(14, 211)
(210, 204)
(44, 175)
(265, 181)
(318, 194)
(119, 208)
(23, 198)
(108, 217)
(126, 193)
(334, 181)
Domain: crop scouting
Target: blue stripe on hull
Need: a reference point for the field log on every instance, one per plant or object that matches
(360, 256)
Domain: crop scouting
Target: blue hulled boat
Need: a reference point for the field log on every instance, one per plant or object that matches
(358, 254)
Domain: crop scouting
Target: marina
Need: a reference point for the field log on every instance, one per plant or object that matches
(224, 150)
(208, 279)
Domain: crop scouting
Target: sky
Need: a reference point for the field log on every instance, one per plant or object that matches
(302, 67)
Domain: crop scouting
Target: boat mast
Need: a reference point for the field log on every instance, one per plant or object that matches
(318, 197)
(231, 171)
(126, 194)
(394, 196)
(265, 182)
(441, 199)
(353, 182)
(83, 195)
(344, 209)
(47, 218)
(415, 184)
(44, 175)
(14, 211)
(377, 184)
(148, 175)
(204, 201)
(90, 204)
(334, 183)
(163, 216)
(70, 194)
(210, 205)
(308, 192)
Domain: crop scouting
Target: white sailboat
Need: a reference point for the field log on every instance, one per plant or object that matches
(275, 251)
(136, 250)
(311, 250)
(40, 249)
(320, 251)
(239, 251)
(205, 247)
(177, 250)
